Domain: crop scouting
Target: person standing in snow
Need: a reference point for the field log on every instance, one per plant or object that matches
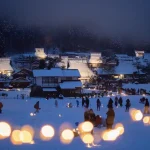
(87, 102)
(120, 101)
(1, 106)
(98, 104)
(77, 102)
(83, 101)
(110, 118)
(146, 109)
(110, 103)
(128, 104)
(56, 103)
(116, 101)
(36, 106)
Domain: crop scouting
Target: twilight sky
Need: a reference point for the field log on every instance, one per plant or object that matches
(116, 18)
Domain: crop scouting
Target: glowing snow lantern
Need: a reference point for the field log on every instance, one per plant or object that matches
(110, 135)
(87, 139)
(25, 136)
(146, 120)
(15, 137)
(5, 130)
(120, 128)
(67, 136)
(136, 115)
(47, 132)
(86, 126)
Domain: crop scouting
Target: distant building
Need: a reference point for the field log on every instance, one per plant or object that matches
(5, 67)
(39, 53)
(66, 79)
(95, 60)
(139, 54)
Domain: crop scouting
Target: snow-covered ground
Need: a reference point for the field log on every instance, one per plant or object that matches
(17, 113)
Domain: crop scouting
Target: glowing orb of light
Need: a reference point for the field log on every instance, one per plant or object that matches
(31, 114)
(15, 137)
(25, 136)
(110, 135)
(146, 119)
(87, 126)
(120, 128)
(67, 136)
(87, 138)
(47, 131)
(5, 130)
(59, 115)
(138, 115)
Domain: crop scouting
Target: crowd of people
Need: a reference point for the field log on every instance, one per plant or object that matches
(97, 120)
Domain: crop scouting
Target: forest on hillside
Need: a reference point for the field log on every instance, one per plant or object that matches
(16, 38)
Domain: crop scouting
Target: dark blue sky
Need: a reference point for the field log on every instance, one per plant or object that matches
(116, 18)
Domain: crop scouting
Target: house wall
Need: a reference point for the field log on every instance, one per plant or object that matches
(38, 81)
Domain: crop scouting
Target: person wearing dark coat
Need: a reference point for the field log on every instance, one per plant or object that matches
(110, 103)
(83, 101)
(1, 106)
(86, 115)
(36, 106)
(110, 118)
(87, 102)
(92, 116)
(120, 101)
(116, 101)
(146, 109)
(98, 104)
(128, 104)
(77, 102)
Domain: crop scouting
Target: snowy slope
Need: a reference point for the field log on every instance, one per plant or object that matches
(17, 113)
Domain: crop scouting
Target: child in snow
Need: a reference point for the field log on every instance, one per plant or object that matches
(98, 104)
(146, 109)
(1, 106)
(56, 103)
(77, 103)
(128, 104)
(36, 106)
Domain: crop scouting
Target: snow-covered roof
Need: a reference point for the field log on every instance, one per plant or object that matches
(136, 51)
(70, 84)
(95, 60)
(49, 89)
(56, 72)
(122, 68)
(82, 67)
(71, 72)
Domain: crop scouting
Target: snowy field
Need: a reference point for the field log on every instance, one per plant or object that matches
(17, 113)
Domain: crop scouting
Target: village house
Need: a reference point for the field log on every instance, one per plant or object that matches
(139, 54)
(5, 67)
(95, 60)
(125, 71)
(66, 80)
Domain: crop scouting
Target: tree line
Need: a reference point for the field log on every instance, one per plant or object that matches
(18, 38)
